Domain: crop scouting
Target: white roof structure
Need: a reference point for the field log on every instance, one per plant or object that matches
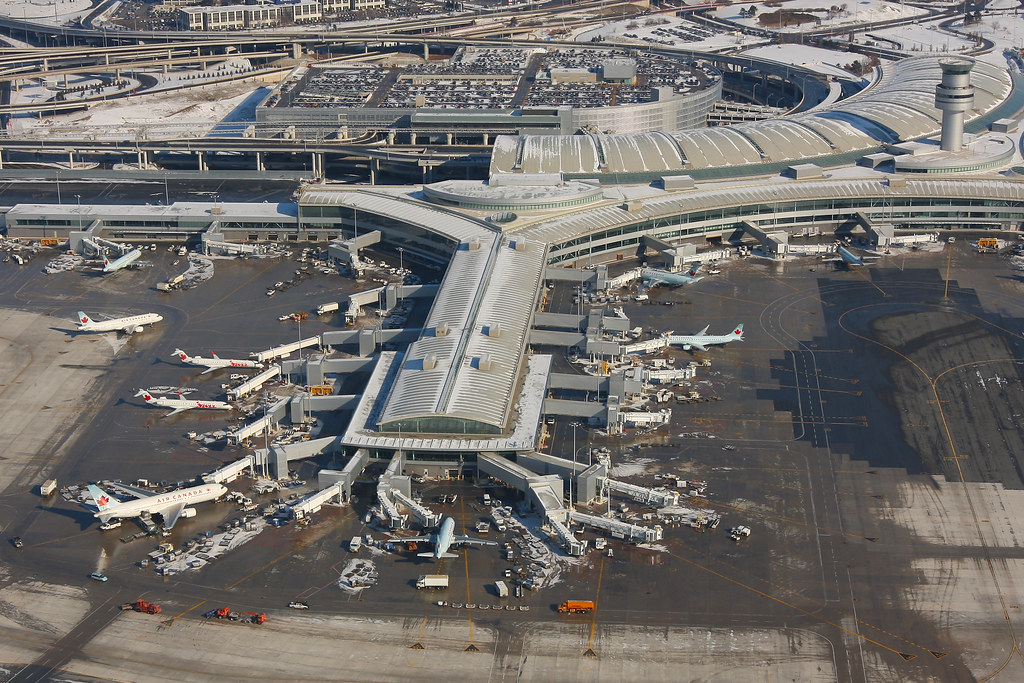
(899, 106)
(466, 363)
(563, 228)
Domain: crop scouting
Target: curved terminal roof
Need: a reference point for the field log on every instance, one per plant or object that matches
(561, 229)
(467, 361)
(900, 106)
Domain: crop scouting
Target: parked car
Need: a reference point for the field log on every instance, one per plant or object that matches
(295, 604)
(96, 576)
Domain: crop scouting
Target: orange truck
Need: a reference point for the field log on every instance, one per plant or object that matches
(576, 606)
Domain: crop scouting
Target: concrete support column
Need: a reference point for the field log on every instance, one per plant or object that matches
(426, 51)
(487, 138)
(450, 137)
(140, 159)
(391, 137)
(202, 161)
(1, 159)
(71, 159)
(259, 162)
(374, 170)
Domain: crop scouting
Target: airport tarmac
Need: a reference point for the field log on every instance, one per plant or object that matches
(873, 413)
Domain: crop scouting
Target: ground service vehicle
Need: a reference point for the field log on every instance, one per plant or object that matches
(327, 308)
(295, 604)
(141, 605)
(96, 576)
(432, 581)
(48, 487)
(355, 544)
(576, 606)
(501, 589)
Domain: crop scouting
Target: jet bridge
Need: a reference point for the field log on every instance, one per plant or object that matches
(643, 495)
(619, 529)
(422, 514)
(253, 384)
(273, 415)
(312, 503)
(285, 349)
(230, 472)
(572, 545)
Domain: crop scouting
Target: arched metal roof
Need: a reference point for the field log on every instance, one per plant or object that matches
(900, 106)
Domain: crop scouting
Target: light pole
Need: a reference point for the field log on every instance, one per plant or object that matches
(401, 272)
(572, 476)
(78, 198)
(58, 187)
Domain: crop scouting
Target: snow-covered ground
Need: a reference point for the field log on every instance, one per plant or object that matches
(52, 11)
(164, 110)
(866, 11)
(671, 31)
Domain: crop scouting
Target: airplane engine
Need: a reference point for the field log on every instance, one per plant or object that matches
(188, 512)
(686, 347)
(137, 328)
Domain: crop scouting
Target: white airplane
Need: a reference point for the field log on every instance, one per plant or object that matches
(659, 277)
(121, 262)
(132, 323)
(181, 404)
(444, 539)
(702, 340)
(171, 505)
(849, 258)
(215, 363)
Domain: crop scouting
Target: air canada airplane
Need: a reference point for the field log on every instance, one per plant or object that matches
(121, 262)
(846, 256)
(664, 277)
(702, 340)
(171, 505)
(444, 539)
(133, 323)
(182, 404)
(215, 363)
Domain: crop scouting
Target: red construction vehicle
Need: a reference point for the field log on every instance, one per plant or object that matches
(141, 605)
(223, 612)
(255, 618)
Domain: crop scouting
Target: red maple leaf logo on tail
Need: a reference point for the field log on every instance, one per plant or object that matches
(103, 500)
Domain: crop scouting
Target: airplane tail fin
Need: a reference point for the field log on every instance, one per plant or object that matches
(83, 318)
(214, 355)
(738, 332)
(145, 394)
(693, 270)
(180, 354)
(101, 499)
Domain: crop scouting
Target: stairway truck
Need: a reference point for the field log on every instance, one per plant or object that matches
(576, 606)
(432, 581)
(324, 309)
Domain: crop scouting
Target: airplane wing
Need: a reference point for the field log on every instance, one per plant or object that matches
(132, 491)
(698, 346)
(469, 540)
(176, 411)
(171, 516)
(208, 370)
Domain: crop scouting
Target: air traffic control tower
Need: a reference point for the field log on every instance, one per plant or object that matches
(954, 96)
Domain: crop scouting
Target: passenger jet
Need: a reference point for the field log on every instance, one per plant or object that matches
(121, 262)
(132, 323)
(215, 363)
(658, 277)
(170, 505)
(702, 340)
(849, 258)
(444, 539)
(182, 404)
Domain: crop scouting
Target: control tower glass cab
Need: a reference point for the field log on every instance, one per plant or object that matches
(954, 96)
